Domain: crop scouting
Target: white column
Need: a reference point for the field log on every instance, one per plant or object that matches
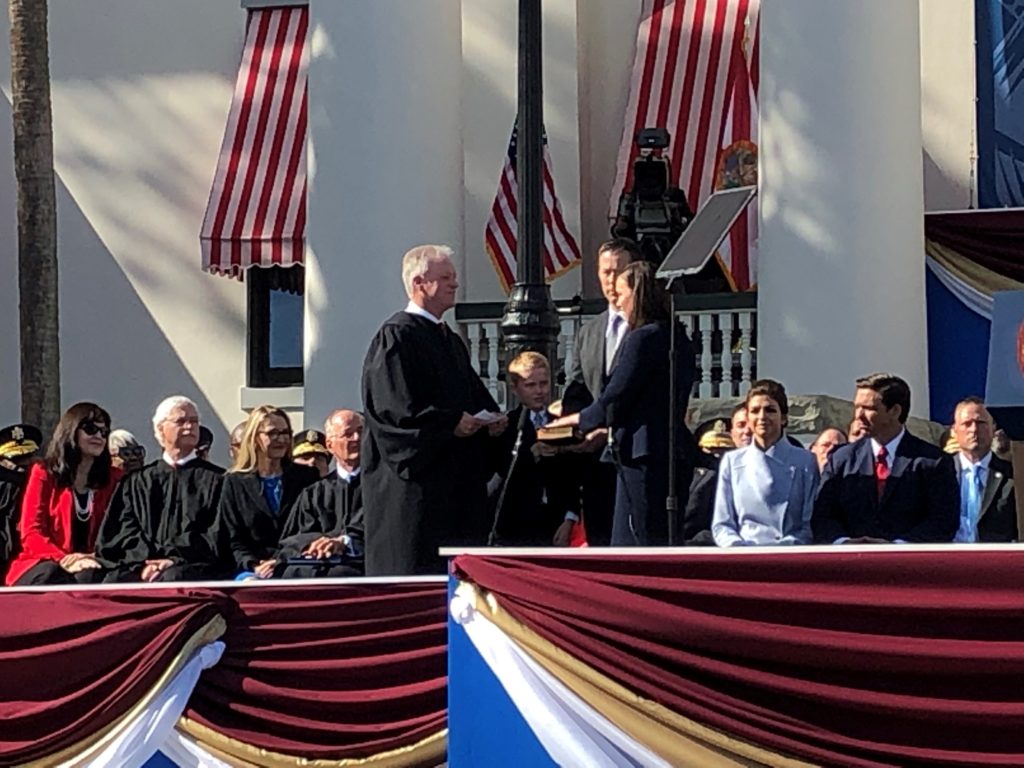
(841, 286)
(385, 172)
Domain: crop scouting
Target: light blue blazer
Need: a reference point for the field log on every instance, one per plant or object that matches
(765, 497)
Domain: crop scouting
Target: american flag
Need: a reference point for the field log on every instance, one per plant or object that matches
(691, 56)
(561, 252)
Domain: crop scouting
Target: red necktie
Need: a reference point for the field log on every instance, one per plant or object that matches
(881, 470)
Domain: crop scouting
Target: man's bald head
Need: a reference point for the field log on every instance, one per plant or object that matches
(344, 430)
(235, 439)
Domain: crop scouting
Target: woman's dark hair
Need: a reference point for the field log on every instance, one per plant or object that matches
(650, 299)
(63, 455)
(769, 388)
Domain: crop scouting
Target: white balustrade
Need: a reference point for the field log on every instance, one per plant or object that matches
(723, 339)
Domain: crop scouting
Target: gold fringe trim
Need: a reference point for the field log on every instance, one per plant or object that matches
(426, 752)
(975, 275)
(677, 739)
(86, 749)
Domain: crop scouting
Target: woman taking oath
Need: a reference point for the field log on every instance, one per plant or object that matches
(765, 491)
(635, 406)
(259, 491)
(64, 502)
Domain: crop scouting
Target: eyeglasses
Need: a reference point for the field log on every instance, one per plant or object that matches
(130, 452)
(277, 434)
(92, 428)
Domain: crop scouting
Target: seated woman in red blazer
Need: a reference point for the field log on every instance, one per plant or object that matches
(64, 502)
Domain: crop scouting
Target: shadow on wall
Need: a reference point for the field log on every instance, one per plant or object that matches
(112, 351)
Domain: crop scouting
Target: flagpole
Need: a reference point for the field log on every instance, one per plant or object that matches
(530, 321)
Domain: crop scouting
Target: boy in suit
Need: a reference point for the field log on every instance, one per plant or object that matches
(542, 495)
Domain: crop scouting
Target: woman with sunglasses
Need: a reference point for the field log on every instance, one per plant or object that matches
(64, 502)
(259, 491)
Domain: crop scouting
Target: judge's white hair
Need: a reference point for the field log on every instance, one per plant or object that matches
(164, 410)
(417, 261)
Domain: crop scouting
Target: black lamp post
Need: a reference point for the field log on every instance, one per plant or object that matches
(530, 321)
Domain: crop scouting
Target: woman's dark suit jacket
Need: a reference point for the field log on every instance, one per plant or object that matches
(250, 531)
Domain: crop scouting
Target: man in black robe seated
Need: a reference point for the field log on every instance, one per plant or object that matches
(325, 528)
(540, 500)
(428, 415)
(162, 521)
(19, 446)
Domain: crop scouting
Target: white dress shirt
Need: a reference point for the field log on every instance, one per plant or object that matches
(179, 462)
(415, 309)
(890, 447)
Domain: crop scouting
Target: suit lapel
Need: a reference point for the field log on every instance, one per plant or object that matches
(254, 488)
(995, 478)
(596, 351)
(900, 462)
(865, 465)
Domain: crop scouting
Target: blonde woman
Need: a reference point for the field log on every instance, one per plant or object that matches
(259, 491)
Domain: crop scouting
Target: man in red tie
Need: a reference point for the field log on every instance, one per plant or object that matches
(887, 486)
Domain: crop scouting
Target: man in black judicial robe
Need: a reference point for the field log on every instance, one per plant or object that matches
(162, 522)
(425, 453)
(325, 527)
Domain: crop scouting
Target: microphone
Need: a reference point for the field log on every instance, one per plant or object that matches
(524, 416)
(609, 413)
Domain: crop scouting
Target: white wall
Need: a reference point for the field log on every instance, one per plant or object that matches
(842, 251)
(948, 111)
(607, 40)
(489, 81)
(141, 90)
(385, 172)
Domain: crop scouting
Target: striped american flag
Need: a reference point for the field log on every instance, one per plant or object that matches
(695, 73)
(561, 252)
(256, 215)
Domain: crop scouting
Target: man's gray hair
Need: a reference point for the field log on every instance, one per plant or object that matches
(119, 439)
(164, 410)
(417, 261)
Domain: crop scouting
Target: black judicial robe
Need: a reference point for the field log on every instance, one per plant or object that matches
(160, 512)
(423, 487)
(250, 531)
(330, 507)
(12, 483)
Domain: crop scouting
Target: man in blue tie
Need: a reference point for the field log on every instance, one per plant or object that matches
(988, 504)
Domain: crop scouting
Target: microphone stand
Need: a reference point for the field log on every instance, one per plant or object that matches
(492, 537)
(672, 498)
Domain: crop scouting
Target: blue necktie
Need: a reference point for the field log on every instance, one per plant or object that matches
(974, 491)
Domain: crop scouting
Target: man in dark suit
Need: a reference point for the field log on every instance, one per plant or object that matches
(597, 344)
(889, 485)
(541, 498)
(988, 503)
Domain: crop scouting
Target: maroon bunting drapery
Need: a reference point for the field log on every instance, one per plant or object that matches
(330, 672)
(339, 671)
(990, 238)
(866, 659)
(72, 663)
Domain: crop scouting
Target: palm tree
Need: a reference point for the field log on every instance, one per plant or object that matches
(37, 214)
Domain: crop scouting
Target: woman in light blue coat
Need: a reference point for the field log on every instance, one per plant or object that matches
(765, 491)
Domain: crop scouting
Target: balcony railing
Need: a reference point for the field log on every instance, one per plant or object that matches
(722, 327)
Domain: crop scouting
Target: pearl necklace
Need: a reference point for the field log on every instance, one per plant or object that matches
(83, 513)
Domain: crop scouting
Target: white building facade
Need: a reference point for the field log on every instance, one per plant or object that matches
(411, 104)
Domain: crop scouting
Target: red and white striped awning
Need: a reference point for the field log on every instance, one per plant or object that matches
(256, 216)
